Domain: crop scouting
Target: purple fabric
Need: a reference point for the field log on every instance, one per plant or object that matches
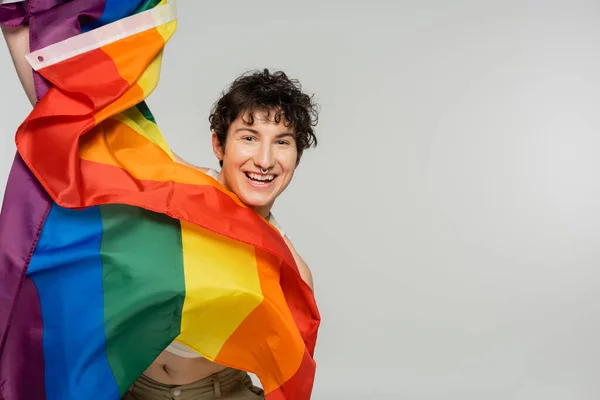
(16, 14)
(22, 366)
(12, 14)
(24, 210)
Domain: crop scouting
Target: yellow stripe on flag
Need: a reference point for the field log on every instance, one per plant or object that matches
(222, 288)
(134, 119)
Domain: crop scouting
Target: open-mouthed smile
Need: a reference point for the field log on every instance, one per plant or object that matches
(260, 179)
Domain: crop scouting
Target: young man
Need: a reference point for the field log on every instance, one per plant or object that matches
(260, 128)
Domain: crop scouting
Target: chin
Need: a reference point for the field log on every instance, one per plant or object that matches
(253, 202)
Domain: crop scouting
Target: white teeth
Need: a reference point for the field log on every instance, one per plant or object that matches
(261, 178)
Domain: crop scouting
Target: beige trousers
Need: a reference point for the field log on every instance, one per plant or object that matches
(228, 384)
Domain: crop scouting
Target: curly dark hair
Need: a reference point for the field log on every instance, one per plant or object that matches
(272, 93)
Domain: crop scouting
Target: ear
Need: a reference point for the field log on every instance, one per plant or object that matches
(299, 158)
(217, 147)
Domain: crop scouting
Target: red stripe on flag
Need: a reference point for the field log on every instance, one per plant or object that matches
(301, 301)
(92, 78)
(300, 386)
(48, 140)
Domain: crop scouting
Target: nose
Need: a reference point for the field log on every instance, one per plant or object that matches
(264, 157)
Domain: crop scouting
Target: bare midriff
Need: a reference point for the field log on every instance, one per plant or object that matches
(171, 369)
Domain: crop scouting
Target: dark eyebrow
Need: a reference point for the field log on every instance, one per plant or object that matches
(279, 136)
(247, 129)
(286, 134)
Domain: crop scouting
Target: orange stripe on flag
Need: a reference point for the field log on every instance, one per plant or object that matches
(131, 64)
(117, 144)
(128, 99)
(280, 357)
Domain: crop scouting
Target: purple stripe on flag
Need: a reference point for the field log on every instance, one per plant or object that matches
(17, 14)
(24, 210)
(12, 14)
(22, 362)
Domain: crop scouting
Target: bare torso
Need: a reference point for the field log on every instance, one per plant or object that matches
(172, 369)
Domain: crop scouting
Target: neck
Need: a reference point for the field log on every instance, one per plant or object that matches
(264, 212)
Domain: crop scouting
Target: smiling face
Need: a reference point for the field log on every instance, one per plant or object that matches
(259, 159)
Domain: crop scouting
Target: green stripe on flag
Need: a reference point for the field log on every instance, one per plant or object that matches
(144, 287)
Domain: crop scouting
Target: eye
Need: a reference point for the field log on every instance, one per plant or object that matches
(283, 142)
(248, 138)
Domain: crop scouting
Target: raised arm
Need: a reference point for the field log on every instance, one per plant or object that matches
(17, 40)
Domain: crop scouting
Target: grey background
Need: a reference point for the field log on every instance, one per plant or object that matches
(451, 212)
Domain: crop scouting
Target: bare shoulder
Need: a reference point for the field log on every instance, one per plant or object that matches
(302, 266)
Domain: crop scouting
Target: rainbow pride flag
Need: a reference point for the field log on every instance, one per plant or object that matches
(109, 249)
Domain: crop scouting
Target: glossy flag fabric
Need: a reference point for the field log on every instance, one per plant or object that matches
(109, 249)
